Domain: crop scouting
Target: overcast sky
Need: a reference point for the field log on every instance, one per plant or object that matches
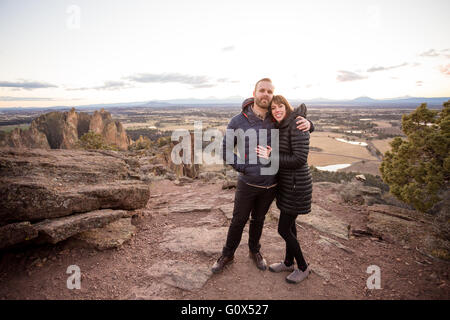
(103, 51)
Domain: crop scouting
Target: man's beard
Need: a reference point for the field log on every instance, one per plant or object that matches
(261, 104)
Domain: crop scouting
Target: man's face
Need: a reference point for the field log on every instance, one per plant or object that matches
(263, 94)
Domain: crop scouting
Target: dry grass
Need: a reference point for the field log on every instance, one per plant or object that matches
(338, 150)
(382, 145)
(382, 124)
(372, 167)
(11, 127)
(320, 159)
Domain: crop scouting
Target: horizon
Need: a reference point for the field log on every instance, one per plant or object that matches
(74, 53)
(227, 101)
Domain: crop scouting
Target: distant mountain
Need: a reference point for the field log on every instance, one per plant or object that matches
(364, 99)
(367, 102)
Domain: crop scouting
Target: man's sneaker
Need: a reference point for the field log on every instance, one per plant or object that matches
(221, 263)
(297, 275)
(259, 260)
(281, 267)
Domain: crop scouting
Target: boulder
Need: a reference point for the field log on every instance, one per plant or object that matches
(210, 176)
(231, 174)
(324, 221)
(408, 227)
(55, 230)
(56, 192)
(113, 235)
(41, 184)
(14, 233)
(395, 224)
(228, 184)
(189, 207)
(357, 193)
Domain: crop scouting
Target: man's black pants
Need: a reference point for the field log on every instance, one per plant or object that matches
(248, 200)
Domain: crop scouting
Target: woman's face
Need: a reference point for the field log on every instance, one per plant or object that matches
(278, 111)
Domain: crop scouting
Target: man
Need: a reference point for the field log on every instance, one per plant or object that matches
(255, 192)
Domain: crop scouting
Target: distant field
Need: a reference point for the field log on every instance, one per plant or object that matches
(382, 145)
(12, 127)
(382, 124)
(321, 159)
(335, 152)
(371, 167)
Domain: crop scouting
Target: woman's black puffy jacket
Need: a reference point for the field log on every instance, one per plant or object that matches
(294, 179)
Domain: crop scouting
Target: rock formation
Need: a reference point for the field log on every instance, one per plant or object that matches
(55, 194)
(61, 130)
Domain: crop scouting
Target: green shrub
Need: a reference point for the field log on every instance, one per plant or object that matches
(92, 140)
(417, 168)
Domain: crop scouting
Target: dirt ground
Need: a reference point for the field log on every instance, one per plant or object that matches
(40, 272)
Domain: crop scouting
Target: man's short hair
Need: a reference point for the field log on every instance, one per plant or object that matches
(263, 79)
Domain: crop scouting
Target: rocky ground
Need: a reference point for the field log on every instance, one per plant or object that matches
(180, 233)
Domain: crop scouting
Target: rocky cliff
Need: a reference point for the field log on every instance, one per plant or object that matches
(52, 195)
(61, 130)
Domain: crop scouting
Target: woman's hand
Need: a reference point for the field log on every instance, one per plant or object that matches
(263, 152)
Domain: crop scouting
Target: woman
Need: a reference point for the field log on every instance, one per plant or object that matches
(294, 184)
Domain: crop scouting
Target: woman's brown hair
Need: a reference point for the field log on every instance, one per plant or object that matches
(281, 100)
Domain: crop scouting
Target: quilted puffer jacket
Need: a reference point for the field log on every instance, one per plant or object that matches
(294, 179)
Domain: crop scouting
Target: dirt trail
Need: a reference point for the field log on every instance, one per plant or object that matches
(180, 235)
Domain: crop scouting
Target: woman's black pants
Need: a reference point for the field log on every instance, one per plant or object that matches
(288, 231)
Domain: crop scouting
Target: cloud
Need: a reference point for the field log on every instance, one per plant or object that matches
(206, 85)
(108, 85)
(429, 53)
(26, 85)
(9, 98)
(349, 76)
(195, 81)
(227, 49)
(444, 52)
(226, 80)
(375, 69)
(419, 83)
(445, 69)
(169, 78)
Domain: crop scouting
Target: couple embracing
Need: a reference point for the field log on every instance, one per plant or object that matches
(291, 185)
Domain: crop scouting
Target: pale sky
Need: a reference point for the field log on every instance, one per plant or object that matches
(83, 52)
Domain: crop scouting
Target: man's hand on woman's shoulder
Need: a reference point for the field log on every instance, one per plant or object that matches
(303, 124)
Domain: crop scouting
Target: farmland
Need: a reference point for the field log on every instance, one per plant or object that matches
(354, 136)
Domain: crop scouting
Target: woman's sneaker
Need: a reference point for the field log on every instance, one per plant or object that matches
(280, 267)
(297, 275)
